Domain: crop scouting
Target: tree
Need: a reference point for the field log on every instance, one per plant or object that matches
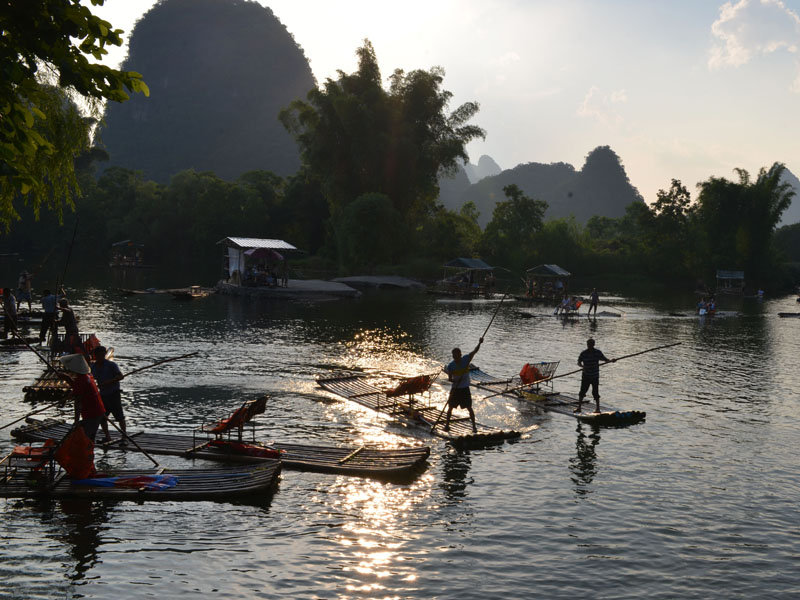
(370, 232)
(510, 237)
(37, 47)
(738, 220)
(357, 138)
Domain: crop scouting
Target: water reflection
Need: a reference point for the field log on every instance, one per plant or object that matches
(584, 465)
(456, 466)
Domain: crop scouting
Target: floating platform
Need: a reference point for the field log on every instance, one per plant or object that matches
(362, 461)
(411, 412)
(380, 282)
(555, 401)
(184, 484)
(296, 288)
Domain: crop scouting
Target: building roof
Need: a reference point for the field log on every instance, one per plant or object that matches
(721, 274)
(246, 243)
(548, 271)
(469, 263)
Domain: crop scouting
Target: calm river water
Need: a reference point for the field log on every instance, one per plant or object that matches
(699, 501)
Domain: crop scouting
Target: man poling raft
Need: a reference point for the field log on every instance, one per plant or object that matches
(458, 373)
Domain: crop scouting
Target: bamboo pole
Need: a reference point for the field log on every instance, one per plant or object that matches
(522, 387)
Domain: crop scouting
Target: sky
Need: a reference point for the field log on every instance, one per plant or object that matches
(679, 89)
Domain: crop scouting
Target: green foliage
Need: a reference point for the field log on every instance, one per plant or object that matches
(357, 138)
(787, 240)
(737, 220)
(510, 237)
(40, 132)
(447, 234)
(369, 232)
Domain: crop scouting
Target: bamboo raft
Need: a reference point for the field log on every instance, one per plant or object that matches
(48, 386)
(361, 462)
(23, 481)
(541, 394)
(411, 412)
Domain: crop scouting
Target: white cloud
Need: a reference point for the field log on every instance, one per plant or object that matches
(599, 105)
(751, 28)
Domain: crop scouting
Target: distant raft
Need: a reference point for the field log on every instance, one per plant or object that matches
(412, 412)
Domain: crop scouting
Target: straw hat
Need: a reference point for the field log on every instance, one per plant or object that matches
(75, 363)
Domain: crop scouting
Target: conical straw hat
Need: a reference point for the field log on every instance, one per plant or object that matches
(75, 363)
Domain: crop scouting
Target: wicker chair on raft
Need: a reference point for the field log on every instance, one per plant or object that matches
(402, 398)
(228, 433)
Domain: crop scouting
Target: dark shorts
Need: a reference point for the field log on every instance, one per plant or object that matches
(113, 403)
(460, 398)
(594, 383)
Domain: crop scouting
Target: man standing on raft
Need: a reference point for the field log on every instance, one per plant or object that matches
(589, 360)
(458, 373)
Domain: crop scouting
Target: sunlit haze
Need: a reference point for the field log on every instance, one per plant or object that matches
(684, 89)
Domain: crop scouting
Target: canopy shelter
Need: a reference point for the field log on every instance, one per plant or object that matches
(546, 282)
(730, 282)
(467, 276)
(127, 253)
(255, 261)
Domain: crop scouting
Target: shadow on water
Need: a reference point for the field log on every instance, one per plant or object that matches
(584, 465)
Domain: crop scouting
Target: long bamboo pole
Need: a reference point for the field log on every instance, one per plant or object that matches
(453, 387)
(522, 387)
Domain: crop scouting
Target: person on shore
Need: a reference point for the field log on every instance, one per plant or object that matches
(24, 287)
(593, 301)
(89, 409)
(50, 315)
(9, 312)
(458, 373)
(107, 375)
(589, 360)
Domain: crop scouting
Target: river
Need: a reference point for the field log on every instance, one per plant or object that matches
(699, 501)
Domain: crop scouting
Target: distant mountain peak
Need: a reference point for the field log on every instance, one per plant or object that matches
(486, 167)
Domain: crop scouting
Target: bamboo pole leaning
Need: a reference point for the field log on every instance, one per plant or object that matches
(527, 385)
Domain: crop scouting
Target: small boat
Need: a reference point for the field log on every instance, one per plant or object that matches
(788, 315)
(191, 293)
(362, 461)
(402, 405)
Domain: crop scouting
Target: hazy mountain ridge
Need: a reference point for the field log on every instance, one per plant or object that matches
(792, 214)
(214, 94)
(601, 187)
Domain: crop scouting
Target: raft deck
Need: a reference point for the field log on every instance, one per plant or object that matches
(411, 412)
(541, 394)
(361, 462)
(190, 484)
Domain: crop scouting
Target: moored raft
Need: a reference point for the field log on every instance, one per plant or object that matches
(409, 411)
(165, 484)
(362, 461)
